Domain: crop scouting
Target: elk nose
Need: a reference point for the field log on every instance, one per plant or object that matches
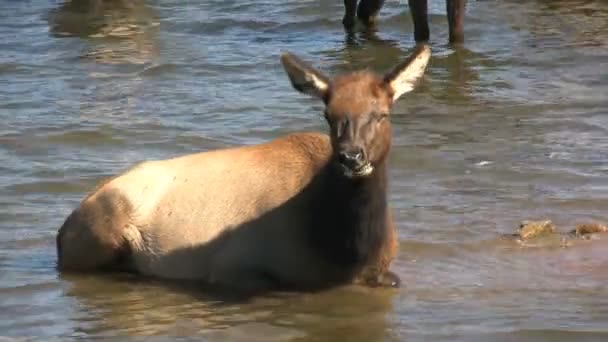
(352, 158)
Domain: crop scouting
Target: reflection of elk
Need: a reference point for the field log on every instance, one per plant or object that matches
(120, 305)
(306, 211)
(368, 10)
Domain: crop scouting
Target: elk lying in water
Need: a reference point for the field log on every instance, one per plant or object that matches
(303, 212)
(367, 10)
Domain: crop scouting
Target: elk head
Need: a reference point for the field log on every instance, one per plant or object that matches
(358, 106)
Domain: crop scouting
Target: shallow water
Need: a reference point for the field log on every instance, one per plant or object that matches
(512, 126)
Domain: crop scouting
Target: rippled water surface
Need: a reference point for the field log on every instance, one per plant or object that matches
(512, 126)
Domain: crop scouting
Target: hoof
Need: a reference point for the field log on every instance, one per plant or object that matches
(389, 279)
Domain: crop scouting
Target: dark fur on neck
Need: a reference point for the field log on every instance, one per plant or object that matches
(350, 224)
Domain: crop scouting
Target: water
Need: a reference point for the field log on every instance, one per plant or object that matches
(513, 126)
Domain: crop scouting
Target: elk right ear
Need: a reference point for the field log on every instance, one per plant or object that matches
(402, 78)
(304, 78)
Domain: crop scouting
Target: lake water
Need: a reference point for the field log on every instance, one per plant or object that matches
(512, 126)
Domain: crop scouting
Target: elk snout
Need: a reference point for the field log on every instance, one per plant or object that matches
(352, 158)
(354, 162)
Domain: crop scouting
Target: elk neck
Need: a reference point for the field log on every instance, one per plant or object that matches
(349, 218)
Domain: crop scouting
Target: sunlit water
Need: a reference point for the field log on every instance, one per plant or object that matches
(512, 126)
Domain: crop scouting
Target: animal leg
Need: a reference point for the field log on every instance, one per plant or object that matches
(455, 9)
(350, 7)
(419, 10)
(368, 10)
(246, 282)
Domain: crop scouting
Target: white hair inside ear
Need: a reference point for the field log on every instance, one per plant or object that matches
(304, 77)
(403, 77)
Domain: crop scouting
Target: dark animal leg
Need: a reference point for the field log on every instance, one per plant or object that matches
(455, 9)
(245, 283)
(368, 10)
(350, 8)
(419, 15)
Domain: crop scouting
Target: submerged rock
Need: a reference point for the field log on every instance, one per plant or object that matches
(543, 233)
(589, 228)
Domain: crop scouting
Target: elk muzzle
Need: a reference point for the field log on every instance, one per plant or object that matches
(354, 162)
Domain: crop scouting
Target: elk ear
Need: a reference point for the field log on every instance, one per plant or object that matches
(304, 78)
(403, 77)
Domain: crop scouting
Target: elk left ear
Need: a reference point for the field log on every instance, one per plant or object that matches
(304, 78)
(403, 77)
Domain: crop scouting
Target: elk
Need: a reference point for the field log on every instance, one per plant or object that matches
(304, 212)
(367, 10)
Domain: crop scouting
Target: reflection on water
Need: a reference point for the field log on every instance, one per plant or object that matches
(577, 23)
(510, 126)
(126, 306)
(119, 31)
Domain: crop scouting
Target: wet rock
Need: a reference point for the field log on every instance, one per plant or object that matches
(543, 233)
(533, 229)
(589, 228)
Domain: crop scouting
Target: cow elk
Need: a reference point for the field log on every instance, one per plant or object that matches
(305, 212)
